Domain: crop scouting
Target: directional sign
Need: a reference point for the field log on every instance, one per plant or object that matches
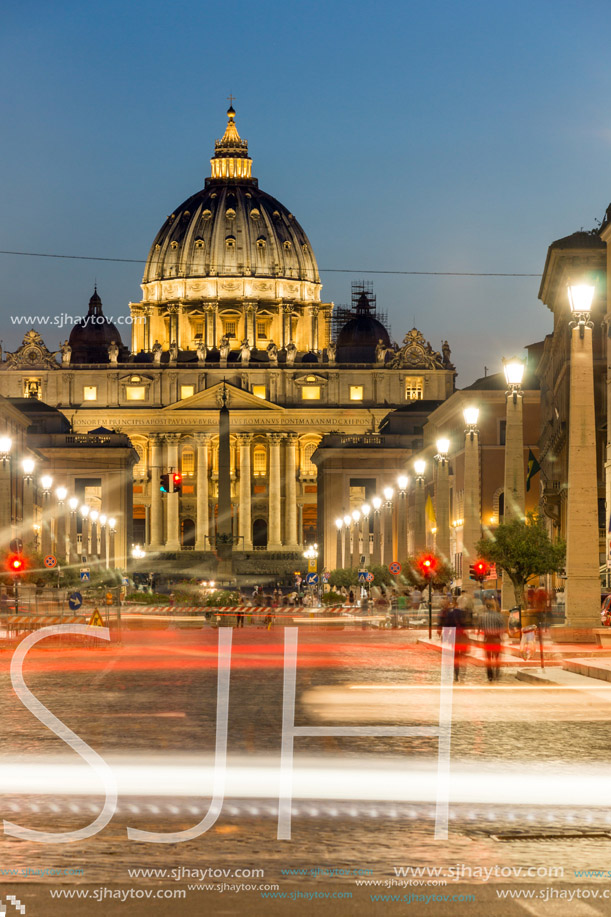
(370, 577)
(85, 577)
(75, 600)
(50, 561)
(312, 579)
(395, 568)
(96, 619)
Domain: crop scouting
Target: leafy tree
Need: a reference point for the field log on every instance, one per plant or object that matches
(444, 575)
(523, 549)
(349, 576)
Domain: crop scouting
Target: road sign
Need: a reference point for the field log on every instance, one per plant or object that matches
(96, 619)
(395, 568)
(370, 577)
(362, 576)
(298, 580)
(325, 576)
(75, 600)
(85, 577)
(312, 564)
(312, 579)
(50, 561)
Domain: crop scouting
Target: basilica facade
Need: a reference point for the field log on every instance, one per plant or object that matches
(231, 308)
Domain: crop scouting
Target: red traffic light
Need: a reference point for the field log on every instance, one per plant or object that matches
(481, 569)
(177, 478)
(15, 564)
(428, 564)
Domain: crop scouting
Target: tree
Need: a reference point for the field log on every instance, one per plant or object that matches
(522, 549)
(444, 572)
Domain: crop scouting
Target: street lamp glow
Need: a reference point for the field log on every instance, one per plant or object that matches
(73, 503)
(94, 515)
(581, 296)
(419, 466)
(471, 414)
(47, 482)
(61, 493)
(112, 522)
(339, 522)
(356, 515)
(365, 509)
(402, 481)
(6, 444)
(347, 519)
(388, 493)
(28, 465)
(443, 446)
(377, 503)
(84, 510)
(514, 371)
(103, 519)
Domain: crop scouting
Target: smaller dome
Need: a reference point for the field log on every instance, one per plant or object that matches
(92, 336)
(359, 337)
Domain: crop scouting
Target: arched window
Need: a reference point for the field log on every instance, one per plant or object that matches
(139, 469)
(187, 462)
(259, 461)
(308, 467)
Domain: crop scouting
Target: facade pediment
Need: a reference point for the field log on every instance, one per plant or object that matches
(211, 399)
(33, 354)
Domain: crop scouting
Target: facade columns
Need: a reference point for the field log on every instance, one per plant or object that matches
(202, 523)
(245, 491)
(210, 326)
(314, 310)
(291, 491)
(582, 548)
(156, 498)
(172, 504)
(274, 540)
(472, 528)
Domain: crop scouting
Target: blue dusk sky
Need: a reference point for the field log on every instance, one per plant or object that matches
(404, 136)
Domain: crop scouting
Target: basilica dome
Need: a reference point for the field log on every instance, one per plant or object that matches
(359, 337)
(92, 336)
(231, 229)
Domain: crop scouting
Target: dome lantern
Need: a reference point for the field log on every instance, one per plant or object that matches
(231, 159)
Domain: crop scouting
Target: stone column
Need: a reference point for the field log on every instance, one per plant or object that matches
(442, 509)
(245, 492)
(472, 527)
(376, 556)
(202, 523)
(172, 499)
(582, 548)
(290, 527)
(287, 333)
(314, 328)
(514, 483)
(274, 542)
(156, 498)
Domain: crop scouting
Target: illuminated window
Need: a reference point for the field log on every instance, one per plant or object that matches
(32, 388)
(135, 392)
(356, 393)
(187, 462)
(262, 330)
(259, 461)
(90, 393)
(414, 386)
(310, 392)
(186, 391)
(230, 329)
(259, 391)
(308, 468)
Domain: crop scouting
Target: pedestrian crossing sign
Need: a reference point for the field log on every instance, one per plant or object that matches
(96, 619)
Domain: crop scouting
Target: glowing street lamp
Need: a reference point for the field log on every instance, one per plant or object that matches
(365, 511)
(472, 528)
(442, 498)
(339, 543)
(6, 444)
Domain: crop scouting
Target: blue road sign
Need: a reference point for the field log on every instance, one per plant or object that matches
(362, 576)
(75, 600)
(85, 577)
(312, 579)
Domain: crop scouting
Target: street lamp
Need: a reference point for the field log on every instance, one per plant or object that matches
(6, 444)
(377, 531)
(472, 529)
(387, 541)
(28, 465)
(419, 498)
(402, 482)
(60, 535)
(46, 483)
(311, 555)
(72, 536)
(582, 603)
(514, 502)
(365, 510)
(339, 524)
(84, 511)
(442, 498)
(356, 547)
(112, 525)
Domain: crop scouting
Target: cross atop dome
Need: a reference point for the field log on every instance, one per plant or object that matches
(231, 159)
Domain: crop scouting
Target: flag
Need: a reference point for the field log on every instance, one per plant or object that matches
(430, 512)
(533, 468)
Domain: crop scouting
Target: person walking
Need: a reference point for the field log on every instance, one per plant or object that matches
(492, 625)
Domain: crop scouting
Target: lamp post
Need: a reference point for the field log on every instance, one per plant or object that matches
(365, 510)
(402, 482)
(60, 533)
(582, 547)
(356, 547)
(6, 502)
(94, 516)
(311, 555)
(376, 557)
(339, 525)
(103, 540)
(442, 499)
(419, 518)
(514, 502)
(347, 555)
(387, 543)
(472, 528)
(84, 511)
(27, 527)
(72, 537)
(112, 524)
(46, 482)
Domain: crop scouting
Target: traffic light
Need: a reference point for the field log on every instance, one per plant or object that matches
(15, 564)
(428, 565)
(164, 483)
(176, 482)
(479, 570)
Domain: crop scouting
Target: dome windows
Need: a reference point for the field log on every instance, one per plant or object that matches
(206, 214)
(261, 243)
(230, 213)
(174, 246)
(255, 214)
(199, 243)
(230, 243)
(287, 245)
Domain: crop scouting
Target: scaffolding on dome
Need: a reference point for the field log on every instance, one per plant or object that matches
(364, 301)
